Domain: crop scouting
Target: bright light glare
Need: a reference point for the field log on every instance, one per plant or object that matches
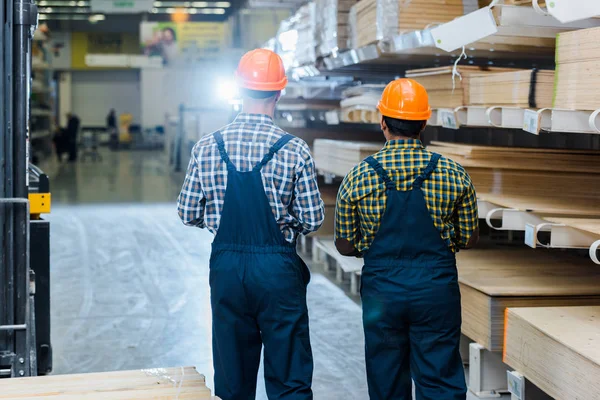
(227, 89)
(223, 4)
(97, 18)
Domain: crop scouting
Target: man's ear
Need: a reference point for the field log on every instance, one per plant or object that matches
(382, 124)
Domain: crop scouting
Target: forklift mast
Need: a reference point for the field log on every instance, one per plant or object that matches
(17, 282)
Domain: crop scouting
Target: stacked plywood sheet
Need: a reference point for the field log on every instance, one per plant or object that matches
(446, 91)
(359, 104)
(376, 19)
(544, 181)
(577, 83)
(158, 383)
(525, 88)
(332, 25)
(556, 348)
(338, 157)
(492, 279)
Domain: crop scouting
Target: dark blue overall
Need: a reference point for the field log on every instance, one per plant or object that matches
(258, 294)
(411, 301)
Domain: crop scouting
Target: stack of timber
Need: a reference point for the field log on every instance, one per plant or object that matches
(590, 225)
(525, 88)
(378, 19)
(544, 181)
(446, 91)
(338, 157)
(556, 348)
(160, 383)
(359, 104)
(494, 278)
(577, 85)
(332, 25)
(296, 40)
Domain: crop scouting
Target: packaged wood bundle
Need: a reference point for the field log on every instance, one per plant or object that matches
(377, 19)
(359, 104)
(296, 41)
(577, 85)
(338, 157)
(556, 348)
(492, 279)
(526, 88)
(332, 25)
(444, 90)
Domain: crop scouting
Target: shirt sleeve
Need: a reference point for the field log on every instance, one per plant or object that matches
(191, 201)
(467, 214)
(308, 205)
(347, 223)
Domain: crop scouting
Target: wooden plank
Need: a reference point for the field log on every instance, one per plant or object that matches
(583, 224)
(556, 348)
(339, 157)
(512, 89)
(163, 383)
(347, 264)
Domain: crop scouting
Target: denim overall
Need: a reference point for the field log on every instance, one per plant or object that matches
(411, 301)
(258, 294)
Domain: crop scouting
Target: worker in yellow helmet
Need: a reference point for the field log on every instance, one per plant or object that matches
(255, 187)
(407, 211)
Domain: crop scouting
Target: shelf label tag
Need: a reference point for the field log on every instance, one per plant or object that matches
(531, 121)
(530, 235)
(515, 384)
(332, 117)
(448, 119)
(465, 30)
(573, 10)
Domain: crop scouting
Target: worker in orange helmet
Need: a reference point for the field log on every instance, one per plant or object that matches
(254, 186)
(407, 211)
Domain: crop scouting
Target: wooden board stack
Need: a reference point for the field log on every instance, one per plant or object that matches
(492, 279)
(544, 181)
(445, 91)
(376, 19)
(332, 25)
(513, 89)
(338, 157)
(359, 104)
(296, 37)
(556, 348)
(164, 383)
(577, 84)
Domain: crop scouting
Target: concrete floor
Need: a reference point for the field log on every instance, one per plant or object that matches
(130, 282)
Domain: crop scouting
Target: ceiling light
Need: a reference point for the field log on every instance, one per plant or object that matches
(96, 18)
(81, 3)
(170, 10)
(157, 3)
(200, 4)
(47, 9)
(42, 3)
(222, 4)
(193, 11)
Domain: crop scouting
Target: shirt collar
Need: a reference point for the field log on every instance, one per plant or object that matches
(254, 119)
(404, 144)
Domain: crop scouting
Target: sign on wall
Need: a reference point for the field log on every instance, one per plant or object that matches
(183, 43)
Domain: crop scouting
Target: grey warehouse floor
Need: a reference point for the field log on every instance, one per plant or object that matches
(130, 282)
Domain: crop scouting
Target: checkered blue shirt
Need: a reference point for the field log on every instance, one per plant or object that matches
(289, 178)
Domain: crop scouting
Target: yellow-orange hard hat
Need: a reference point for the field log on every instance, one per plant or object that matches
(405, 99)
(262, 70)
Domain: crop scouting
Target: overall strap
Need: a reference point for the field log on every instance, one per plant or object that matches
(221, 146)
(427, 171)
(274, 149)
(376, 165)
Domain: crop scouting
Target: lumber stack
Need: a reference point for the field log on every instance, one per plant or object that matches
(338, 157)
(525, 88)
(556, 348)
(448, 92)
(376, 19)
(577, 85)
(296, 40)
(163, 383)
(359, 104)
(492, 279)
(544, 181)
(332, 25)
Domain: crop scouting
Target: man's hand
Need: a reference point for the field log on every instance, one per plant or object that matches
(345, 248)
(473, 240)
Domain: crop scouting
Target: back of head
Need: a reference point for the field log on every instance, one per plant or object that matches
(404, 107)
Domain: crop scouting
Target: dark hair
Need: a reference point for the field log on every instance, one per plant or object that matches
(259, 94)
(172, 32)
(403, 127)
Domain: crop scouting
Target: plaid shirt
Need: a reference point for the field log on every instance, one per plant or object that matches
(449, 194)
(289, 178)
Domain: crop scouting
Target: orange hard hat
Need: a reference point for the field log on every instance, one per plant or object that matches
(405, 99)
(262, 70)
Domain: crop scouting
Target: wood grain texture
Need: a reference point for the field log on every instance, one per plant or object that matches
(160, 383)
(338, 157)
(557, 349)
(583, 224)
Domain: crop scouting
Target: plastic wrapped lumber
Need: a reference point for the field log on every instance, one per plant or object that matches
(338, 157)
(556, 348)
(577, 84)
(332, 25)
(359, 104)
(526, 88)
(164, 383)
(296, 41)
(492, 279)
(376, 19)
